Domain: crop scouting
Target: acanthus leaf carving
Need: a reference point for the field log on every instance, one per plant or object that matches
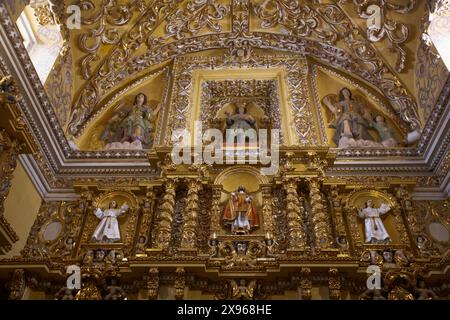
(197, 15)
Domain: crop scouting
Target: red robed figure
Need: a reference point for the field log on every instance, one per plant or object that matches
(240, 212)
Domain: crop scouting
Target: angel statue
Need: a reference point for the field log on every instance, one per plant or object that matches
(240, 212)
(133, 129)
(108, 228)
(350, 118)
(239, 124)
(242, 291)
(375, 231)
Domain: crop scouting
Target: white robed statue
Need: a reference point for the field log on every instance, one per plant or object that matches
(108, 228)
(375, 231)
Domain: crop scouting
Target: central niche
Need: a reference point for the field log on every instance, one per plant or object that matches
(231, 104)
(274, 92)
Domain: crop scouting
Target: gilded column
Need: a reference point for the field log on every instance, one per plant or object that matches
(180, 283)
(163, 230)
(267, 209)
(305, 283)
(153, 284)
(341, 233)
(216, 211)
(334, 284)
(296, 231)
(320, 220)
(146, 222)
(190, 223)
(404, 198)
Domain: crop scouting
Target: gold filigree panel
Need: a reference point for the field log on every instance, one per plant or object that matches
(289, 73)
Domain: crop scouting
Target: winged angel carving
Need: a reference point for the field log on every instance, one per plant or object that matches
(353, 121)
(245, 253)
(132, 127)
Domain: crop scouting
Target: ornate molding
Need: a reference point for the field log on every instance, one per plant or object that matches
(382, 26)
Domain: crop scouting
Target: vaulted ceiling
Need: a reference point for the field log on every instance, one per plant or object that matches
(122, 45)
(120, 41)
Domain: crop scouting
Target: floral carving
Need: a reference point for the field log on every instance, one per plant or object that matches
(197, 15)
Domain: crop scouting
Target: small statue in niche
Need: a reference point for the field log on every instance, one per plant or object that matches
(133, 129)
(240, 213)
(240, 124)
(108, 228)
(352, 121)
(375, 232)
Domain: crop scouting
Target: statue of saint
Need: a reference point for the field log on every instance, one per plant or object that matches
(350, 118)
(240, 213)
(108, 228)
(132, 130)
(239, 124)
(375, 231)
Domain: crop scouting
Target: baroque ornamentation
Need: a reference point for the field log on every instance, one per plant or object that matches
(180, 283)
(320, 219)
(299, 19)
(305, 283)
(380, 25)
(162, 234)
(190, 220)
(296, 237)
(152, 284)
(17, 285)
(195, 16)
(8, 90)
(180, 109)
(334, 284)
(105, 20)
(146, 222)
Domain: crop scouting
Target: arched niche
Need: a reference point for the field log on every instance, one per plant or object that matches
(392, 220)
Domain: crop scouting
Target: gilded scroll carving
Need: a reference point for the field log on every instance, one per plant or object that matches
(381, 26)
(197, 15)
(299, 19)
(105, 19)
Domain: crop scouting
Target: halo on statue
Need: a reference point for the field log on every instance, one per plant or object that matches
(120, 196)
(357, 199)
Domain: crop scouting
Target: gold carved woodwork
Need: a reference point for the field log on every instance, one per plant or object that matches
(64, 217)
(129, 219)
(382, 26)
(216, 210)
(320, 217)
(146, 222)
(267, 210)
(190, 219)
(334, 284)
(305, 283)
(163, 231)
(152, 284)
(294, 215)
(180, 283)
(17, 285)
